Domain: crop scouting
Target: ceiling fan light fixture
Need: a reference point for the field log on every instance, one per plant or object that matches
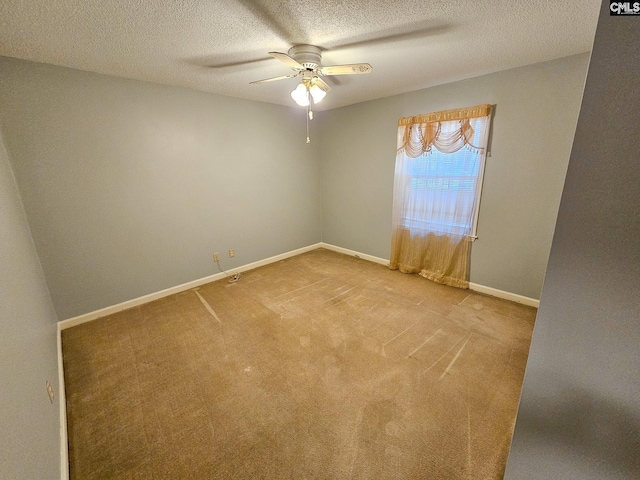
(301, 95)
(317, 93)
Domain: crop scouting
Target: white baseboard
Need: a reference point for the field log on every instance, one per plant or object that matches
(514, 297)
(103, 312)
(62, 405)
(353, 253)
(277, 258)
(494, 292)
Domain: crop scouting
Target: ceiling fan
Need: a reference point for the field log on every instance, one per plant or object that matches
(305, 61)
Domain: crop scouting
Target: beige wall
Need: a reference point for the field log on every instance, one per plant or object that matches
(533, 126)
(130, 187)
(30, 440)
(579, 415)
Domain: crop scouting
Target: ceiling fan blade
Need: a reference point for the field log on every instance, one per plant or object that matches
(351, 69)
(321, 83)
(286, 59)
(291, 75)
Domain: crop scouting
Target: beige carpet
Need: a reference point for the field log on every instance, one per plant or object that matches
(321, 366)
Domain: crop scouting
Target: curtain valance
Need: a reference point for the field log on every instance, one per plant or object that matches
(448, 131)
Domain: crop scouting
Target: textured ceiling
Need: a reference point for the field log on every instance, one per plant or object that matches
(220, 46)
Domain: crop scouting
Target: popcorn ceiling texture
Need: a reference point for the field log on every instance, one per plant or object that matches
(221, 46)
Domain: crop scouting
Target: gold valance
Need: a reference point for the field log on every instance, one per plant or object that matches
(444, 115)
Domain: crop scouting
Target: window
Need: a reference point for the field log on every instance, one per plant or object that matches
(440, 190)
(436, 196)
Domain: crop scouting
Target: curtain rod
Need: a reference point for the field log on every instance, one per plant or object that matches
(444, 115)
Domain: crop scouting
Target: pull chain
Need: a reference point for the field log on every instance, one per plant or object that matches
(309, 116)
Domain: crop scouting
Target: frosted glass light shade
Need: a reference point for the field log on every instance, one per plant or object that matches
(317, 93)
(300, 95)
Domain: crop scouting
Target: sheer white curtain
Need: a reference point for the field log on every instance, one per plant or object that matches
(439, 169)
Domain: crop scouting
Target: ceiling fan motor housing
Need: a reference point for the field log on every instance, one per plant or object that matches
(308, 56)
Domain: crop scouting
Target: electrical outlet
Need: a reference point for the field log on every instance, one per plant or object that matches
(232, 253)
(50, 391)
(216, 257)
